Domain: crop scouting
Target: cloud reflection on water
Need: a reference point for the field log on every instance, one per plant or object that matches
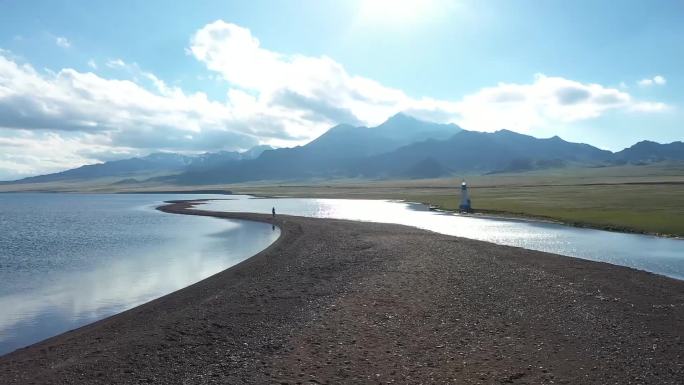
(77, 298)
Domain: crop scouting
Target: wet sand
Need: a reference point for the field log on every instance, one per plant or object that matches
(336, 301)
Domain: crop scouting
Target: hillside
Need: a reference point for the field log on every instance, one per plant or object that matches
(401, 147)
(145, 167)
(333, 154)
(479, 152)
(648, 152)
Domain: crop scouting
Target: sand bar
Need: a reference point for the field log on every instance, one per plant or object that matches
(335, 301)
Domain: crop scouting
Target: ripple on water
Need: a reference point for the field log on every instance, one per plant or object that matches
(69, 259)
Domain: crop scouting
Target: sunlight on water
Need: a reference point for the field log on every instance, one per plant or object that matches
(68, 260)
(659, 255)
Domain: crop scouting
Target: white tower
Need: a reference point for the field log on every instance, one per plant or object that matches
(465, 199)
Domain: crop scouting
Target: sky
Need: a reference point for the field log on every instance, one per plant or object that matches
(88, 81)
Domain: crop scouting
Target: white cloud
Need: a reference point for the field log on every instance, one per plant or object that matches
(62, 42)
(320, 87)
(28, 152)
(92, 64)
(271, 98)
(312, 88)
(117, 115)
(656, 80)
(545, 102)
(115, 63)
(649, 107)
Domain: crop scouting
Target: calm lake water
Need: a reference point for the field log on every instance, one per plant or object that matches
(69, 259)
(658, 255)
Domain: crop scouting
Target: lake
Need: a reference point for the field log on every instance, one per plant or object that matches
(644, 252)
(69, 259)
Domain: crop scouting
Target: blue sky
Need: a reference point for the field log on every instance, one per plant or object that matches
(82, 81)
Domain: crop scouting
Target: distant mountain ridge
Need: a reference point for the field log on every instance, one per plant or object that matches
(401, 147)
(156, 163)
(333, 154)
(399, 130)
(472, 151)
(647, 151)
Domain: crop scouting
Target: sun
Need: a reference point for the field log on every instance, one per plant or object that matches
(397, 11)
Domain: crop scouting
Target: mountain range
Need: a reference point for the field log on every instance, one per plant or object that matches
(150, 165)
(401, 147)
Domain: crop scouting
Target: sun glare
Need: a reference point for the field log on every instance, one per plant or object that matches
(397, 11)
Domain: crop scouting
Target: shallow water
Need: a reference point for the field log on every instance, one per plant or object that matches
(655, 254)
(69, 259)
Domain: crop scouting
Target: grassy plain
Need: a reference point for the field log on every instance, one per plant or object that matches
(648, 199)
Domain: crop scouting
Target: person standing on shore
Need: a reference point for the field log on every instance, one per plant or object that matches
(273, 212)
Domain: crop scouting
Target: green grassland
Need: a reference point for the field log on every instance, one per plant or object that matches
(648, 199)
(643, 208)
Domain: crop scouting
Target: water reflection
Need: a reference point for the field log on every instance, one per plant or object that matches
(153, 254)
(654, 254)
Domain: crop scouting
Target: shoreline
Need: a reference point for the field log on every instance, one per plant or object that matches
(495, 214)
(482, 213)
(505, 215)
(337, 301)
(580, 225)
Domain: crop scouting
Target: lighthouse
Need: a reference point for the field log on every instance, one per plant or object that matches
(465, 199)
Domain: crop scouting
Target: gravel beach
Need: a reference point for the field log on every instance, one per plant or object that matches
(343, 302)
